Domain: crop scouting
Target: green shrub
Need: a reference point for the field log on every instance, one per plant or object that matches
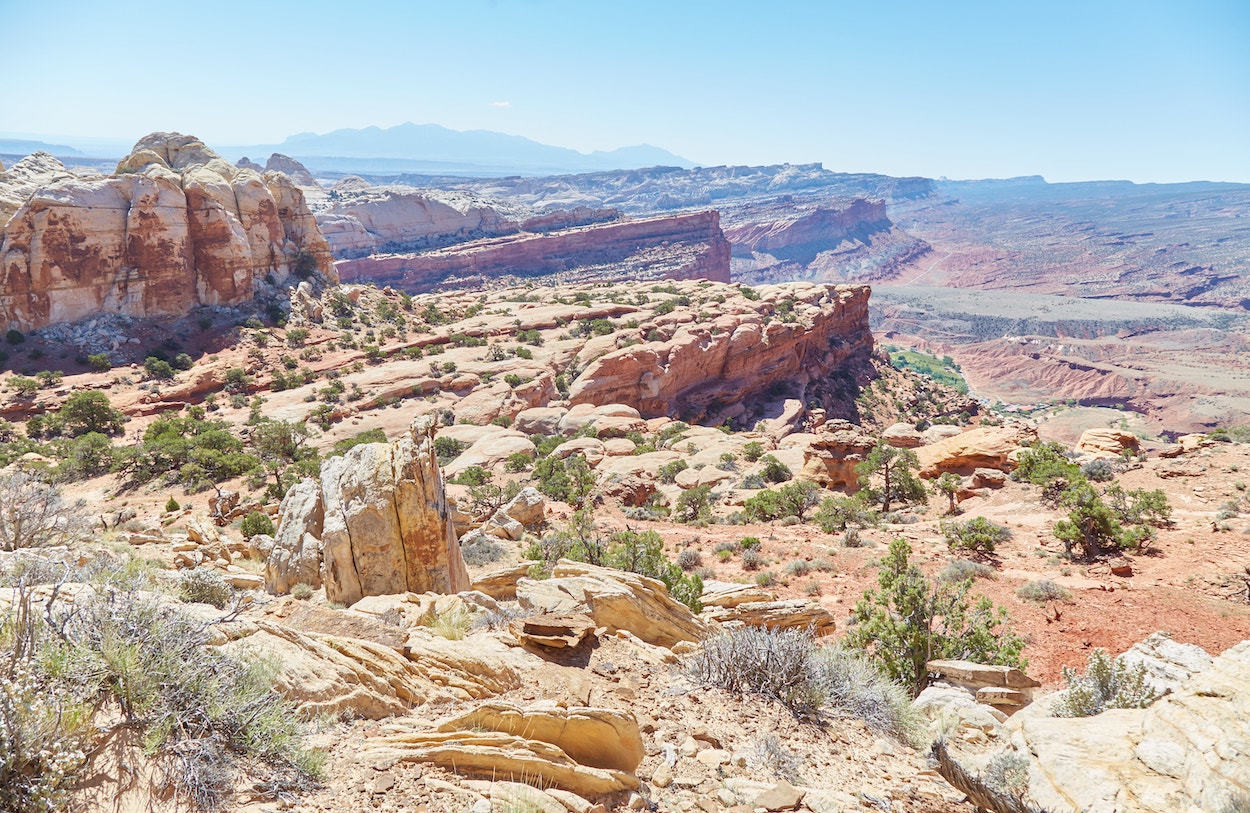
(570, 480)
(14, 336)
(24, 387)
(100, 362)
(774, 470)
(963, 570)
(375, 435)
(836, 513)
(669, 471)
(1098, 471)
(894, 470)
(448, 449)
(33, 513)
(158, 369)
(690, 559)
(1043, 464)
(171, 505)
(518, 461)
(256, 523)
(1107, 684)
(694, 505)
(909, 621)
(977, 535)
(752, 451)
(88, 411)
(208, 722)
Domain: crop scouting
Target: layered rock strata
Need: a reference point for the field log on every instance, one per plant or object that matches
(175, 227)
(720, 367)
(680, 247)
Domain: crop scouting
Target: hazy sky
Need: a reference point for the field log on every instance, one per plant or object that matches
(1143, 90)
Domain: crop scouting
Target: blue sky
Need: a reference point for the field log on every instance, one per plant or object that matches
(1147, 91)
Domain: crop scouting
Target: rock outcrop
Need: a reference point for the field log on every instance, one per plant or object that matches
(687, 246)
(296, 554)
(174, 228)
(714, 370)
(981, 448)
(587, 751)
(293, 169)
(1185, 753)
(388, 526)
(615, 599)
(805, 233)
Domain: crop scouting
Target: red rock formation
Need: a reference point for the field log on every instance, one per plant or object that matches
(720, 369)
(176, 227)
(679, 247)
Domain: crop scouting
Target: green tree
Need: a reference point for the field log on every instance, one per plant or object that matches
(24, 387)
(910, 621)
(1091, 524)
(158, 369)
(282, 449)
(895, 469)
(694, 505)
(836, 512)
(89, 411)
(948, 486)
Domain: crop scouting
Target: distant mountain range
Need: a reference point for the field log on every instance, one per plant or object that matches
(406, 148)
(432, 148)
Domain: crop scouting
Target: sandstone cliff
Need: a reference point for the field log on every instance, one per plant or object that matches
(829, 241)
(720, 368)
(680, 247)
(361, 219)
(175, 227)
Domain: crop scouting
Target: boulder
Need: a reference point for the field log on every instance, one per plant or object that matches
(1106, 443)
(616, 599)
(539, 420)
(793, 614)
(831, 455)
(1168, 663)
(554, 631)
(902, 436)
(587, 751)
(528, 507)
(387, 522)
(296, 554)
(984, 447)
(491, 450)
(590, 448)
(501, 584)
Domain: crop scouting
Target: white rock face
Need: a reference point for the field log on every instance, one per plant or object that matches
(175, 227)
(1188, 752)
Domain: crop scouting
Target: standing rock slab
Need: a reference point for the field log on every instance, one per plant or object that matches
(296, 555)
(388, 525)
